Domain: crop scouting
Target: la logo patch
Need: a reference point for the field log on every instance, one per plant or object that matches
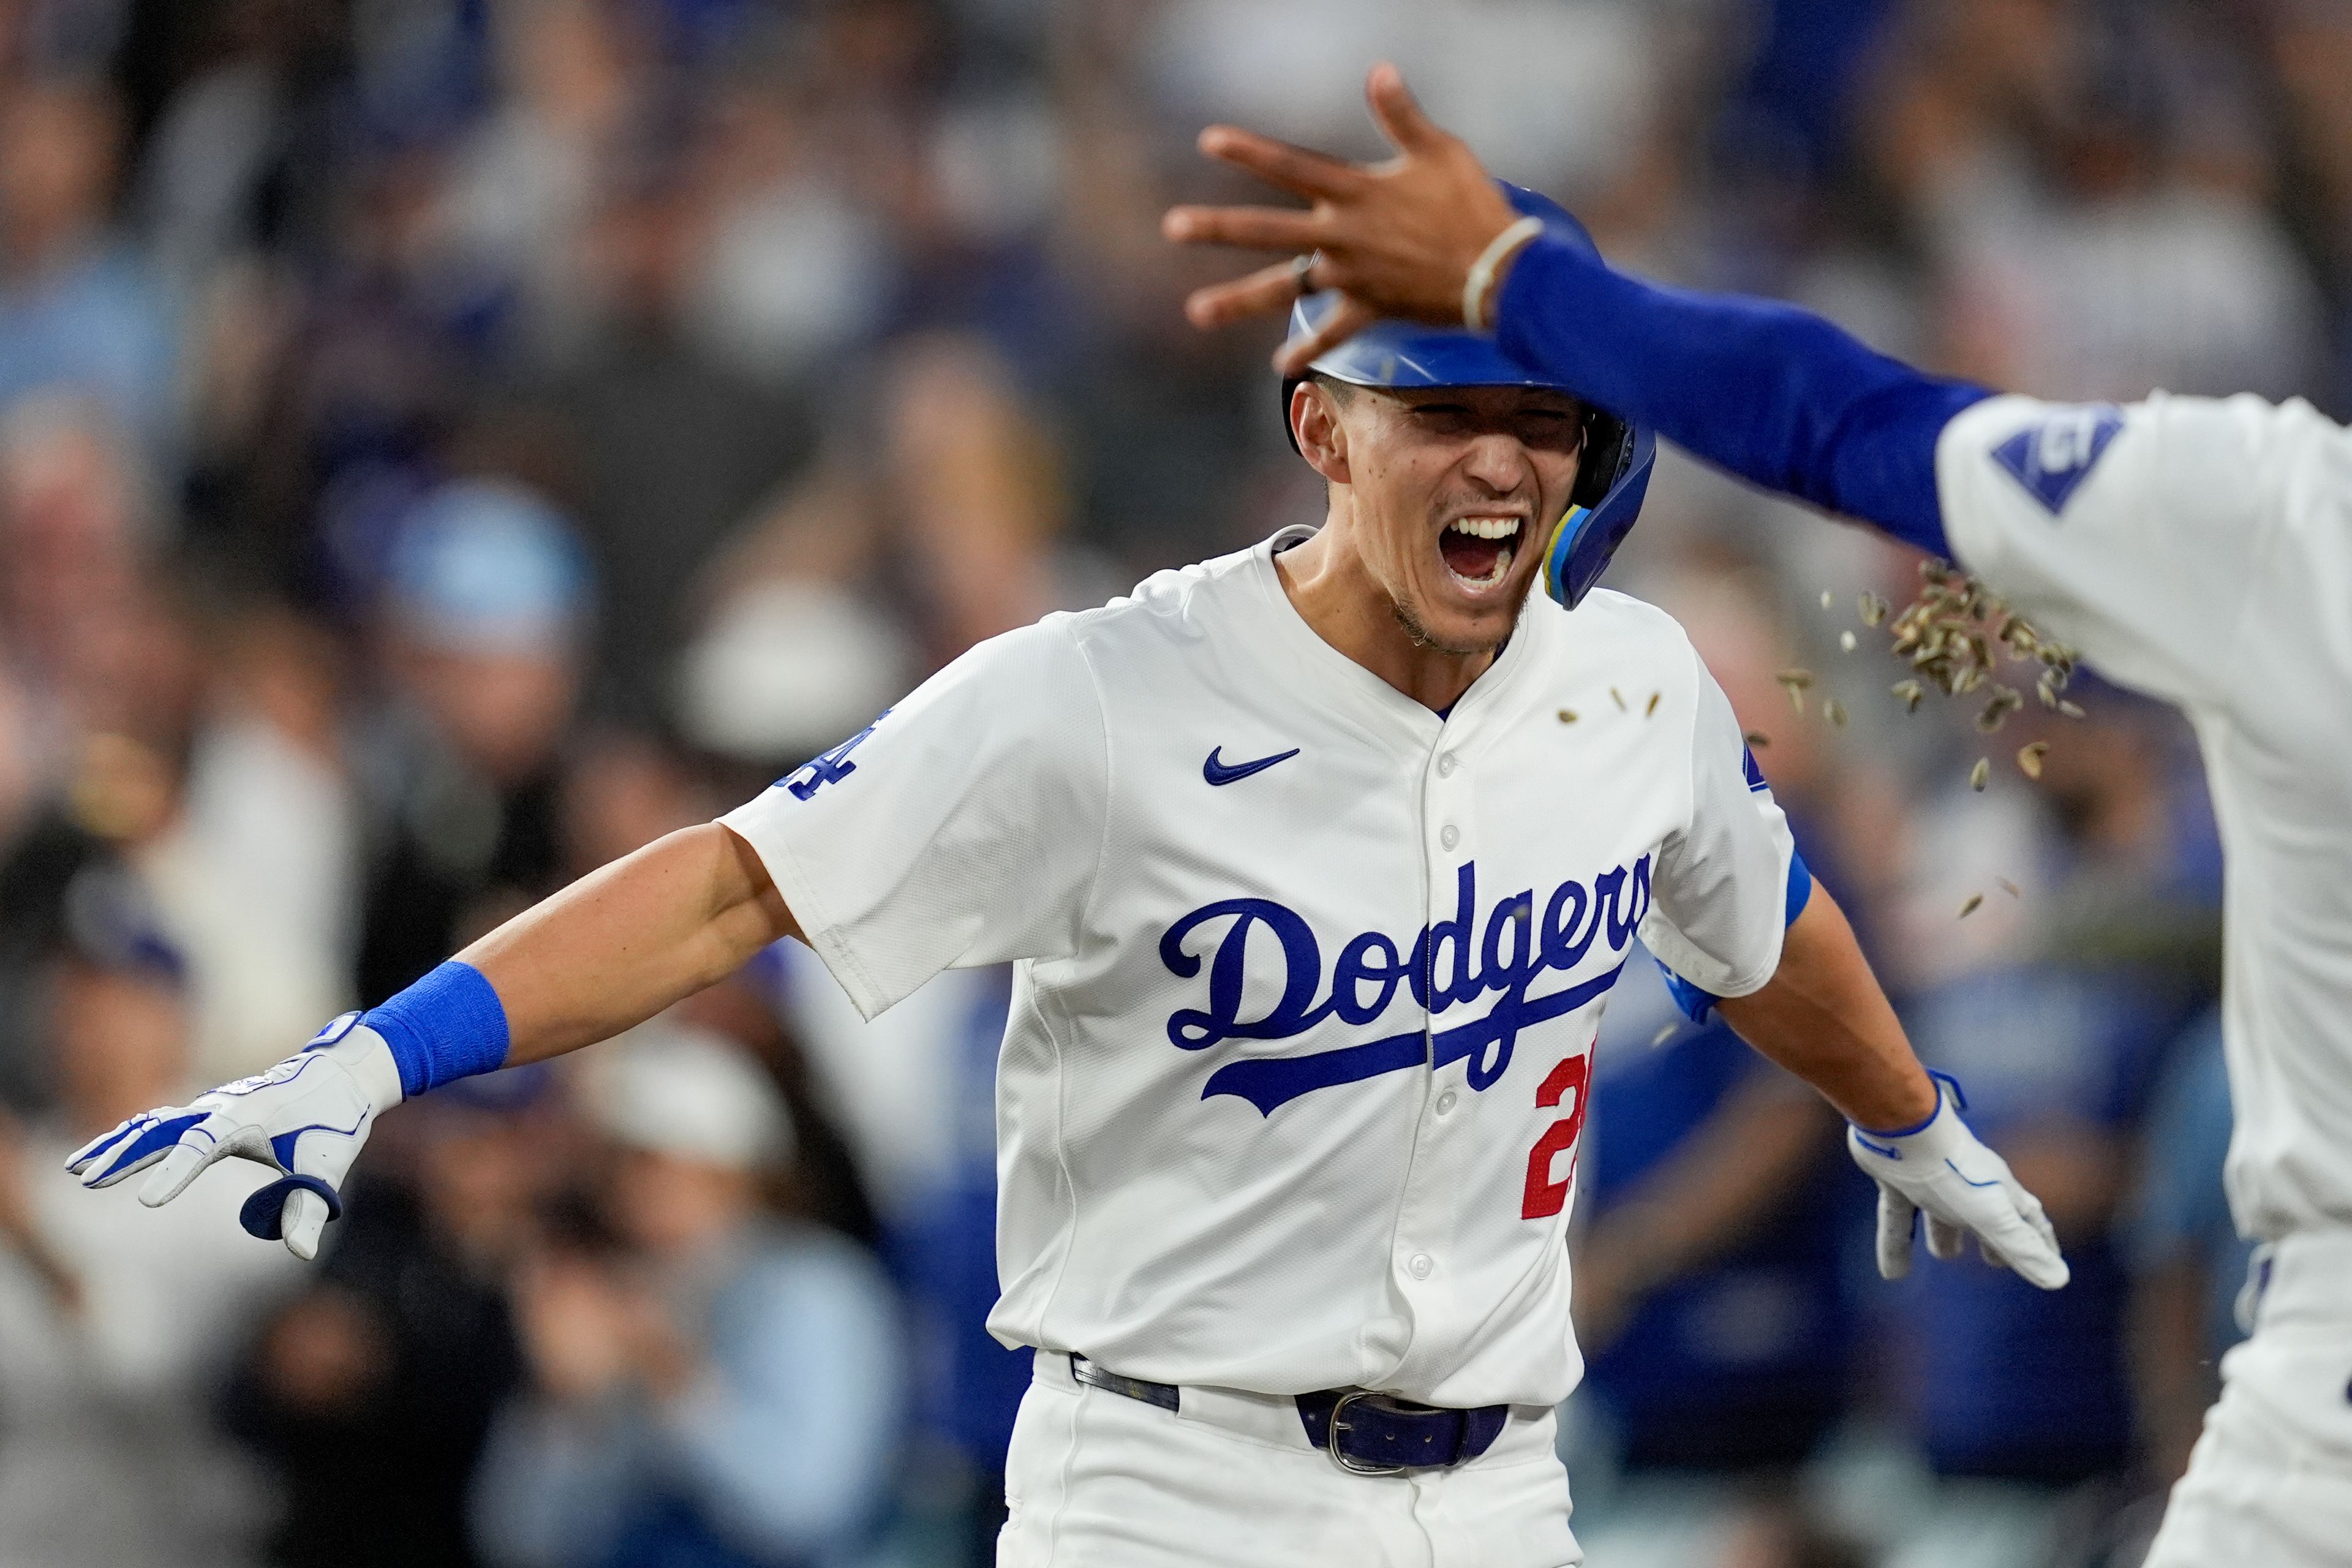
(2052, 459)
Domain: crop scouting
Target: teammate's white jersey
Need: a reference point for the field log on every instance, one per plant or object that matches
(1307, 974)
(2201, 552)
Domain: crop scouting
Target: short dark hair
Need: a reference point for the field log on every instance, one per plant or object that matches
(1342, 391)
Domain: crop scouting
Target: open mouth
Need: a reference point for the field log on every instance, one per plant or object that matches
(1478, 550)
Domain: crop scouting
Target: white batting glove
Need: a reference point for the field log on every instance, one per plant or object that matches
(1941, 1171)
(306, 1118)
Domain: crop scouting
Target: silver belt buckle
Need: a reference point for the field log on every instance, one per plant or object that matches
(1339, 1409)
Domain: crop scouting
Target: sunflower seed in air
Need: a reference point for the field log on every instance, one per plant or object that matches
(1846, 641)
(1568, 715)
(1910, 691)
(2008, 887)
(1980, 774)
(1828, 598)
(2029, 758)
(1653, 705)
(1662, 1035)
(1834, 711)
(1970, 906)
(2004, 701)
(1873, 609)
(1759, 738)
(1621, 701)
(2071, 710)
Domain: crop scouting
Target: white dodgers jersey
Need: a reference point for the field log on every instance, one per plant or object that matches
(2201, 552)
(1307, 974)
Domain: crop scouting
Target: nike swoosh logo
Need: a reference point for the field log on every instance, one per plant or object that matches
(1218, 773)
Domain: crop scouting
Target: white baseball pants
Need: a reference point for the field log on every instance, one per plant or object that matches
(2269, 1484)
(1095, 1480)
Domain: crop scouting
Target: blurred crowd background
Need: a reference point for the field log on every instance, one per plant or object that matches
(446, 443)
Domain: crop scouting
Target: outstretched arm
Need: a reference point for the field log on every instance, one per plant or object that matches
(1775, 394)
(964, 827)
(625, 941)
(1823, 1017)
(605, 953)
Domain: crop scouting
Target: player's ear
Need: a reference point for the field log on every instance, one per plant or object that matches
(1322, 438)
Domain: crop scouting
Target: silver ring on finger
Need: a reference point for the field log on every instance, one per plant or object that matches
(1302, 272)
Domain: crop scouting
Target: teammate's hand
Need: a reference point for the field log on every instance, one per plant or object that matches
(305, 1118)
(1942, 1172)
(1396, 239)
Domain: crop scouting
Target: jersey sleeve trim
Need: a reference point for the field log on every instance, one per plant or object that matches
(1698, 1004)
(816, 927)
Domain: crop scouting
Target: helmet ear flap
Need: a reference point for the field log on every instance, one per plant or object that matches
(1586, 537)
(1607, 452)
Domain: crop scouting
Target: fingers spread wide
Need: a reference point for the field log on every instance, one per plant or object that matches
(1301, 171)
(1343, 322)
(1268, 291)
(1398, 112)
(1250, 229)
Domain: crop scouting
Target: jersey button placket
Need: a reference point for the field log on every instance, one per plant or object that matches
(1449, 825)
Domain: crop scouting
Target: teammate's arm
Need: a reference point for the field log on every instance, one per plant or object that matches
(1775, 394)
(2171, 529)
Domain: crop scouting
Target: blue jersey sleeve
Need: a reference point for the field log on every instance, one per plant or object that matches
(1773, 394)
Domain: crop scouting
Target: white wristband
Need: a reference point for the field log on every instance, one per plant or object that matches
(1482, 272)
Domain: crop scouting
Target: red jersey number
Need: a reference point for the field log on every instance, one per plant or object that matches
(1546, 1196)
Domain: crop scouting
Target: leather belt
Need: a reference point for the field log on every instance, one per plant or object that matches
(1366, 1433)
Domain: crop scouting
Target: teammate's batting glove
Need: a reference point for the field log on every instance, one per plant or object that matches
(1939, 1170)
(305, 1118)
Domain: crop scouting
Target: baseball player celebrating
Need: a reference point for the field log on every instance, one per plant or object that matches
(1316, 863)
(2200, 551)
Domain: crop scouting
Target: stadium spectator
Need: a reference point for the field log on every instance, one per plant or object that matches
(714, 1386)
(116, 1324)
(485, 616)
(79, 309)
(382, 1376)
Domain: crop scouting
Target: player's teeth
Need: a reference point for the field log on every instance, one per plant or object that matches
(1487, 527)
(1500, 569)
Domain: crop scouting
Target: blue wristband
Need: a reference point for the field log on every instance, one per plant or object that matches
(448, 1025)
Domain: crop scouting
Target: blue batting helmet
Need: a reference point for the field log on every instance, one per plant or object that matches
(1615, 470)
